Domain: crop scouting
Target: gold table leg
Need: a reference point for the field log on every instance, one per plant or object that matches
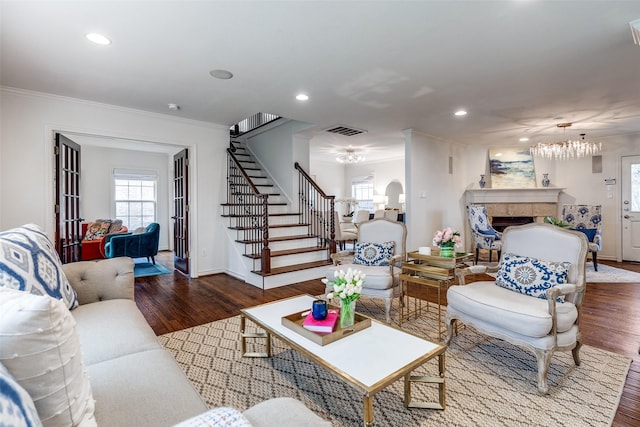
(253, 335)
(367, 409)
(440, 380)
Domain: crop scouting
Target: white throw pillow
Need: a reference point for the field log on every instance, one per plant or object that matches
(29, 262)
(40, 347)
(16, 406)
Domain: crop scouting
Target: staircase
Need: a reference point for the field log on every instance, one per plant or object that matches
(280, 245)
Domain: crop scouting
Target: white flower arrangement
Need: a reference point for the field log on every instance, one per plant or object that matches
(346, 286)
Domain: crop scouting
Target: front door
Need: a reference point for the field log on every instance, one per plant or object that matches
(181, 211)
(631, 208)
(68, 231)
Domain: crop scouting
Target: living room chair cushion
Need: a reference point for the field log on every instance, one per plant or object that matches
(97, 230)
(29, 262)
(217, 417)
(531, 276)
(373, 254)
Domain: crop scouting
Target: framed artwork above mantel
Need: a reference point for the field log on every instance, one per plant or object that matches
(511, 167)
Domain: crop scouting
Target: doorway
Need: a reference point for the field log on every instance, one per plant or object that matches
(630, 208)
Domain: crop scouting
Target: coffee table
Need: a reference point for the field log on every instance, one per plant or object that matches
(368, 360)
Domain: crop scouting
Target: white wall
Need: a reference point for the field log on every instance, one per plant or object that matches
(96, 183)
(28, 122)
(435, 198)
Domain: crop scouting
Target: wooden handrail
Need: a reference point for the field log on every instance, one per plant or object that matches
(311, 181)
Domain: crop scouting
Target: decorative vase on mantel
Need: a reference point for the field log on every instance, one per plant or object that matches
(482, 181)
(545, 180)
(447, 250)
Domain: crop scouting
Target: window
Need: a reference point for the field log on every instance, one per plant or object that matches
(135, 198)
(362, 191)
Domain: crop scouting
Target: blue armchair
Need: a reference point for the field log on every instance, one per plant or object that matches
(135, 245)
(484, 235)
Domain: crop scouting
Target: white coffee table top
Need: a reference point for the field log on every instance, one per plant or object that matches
(371, 358)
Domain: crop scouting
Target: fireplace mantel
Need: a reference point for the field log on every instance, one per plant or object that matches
(513, 195)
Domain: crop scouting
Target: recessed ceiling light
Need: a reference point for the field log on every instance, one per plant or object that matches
(221, 74)
(302, 97)
(98, 39)
(524, 139)
(460, 113)
(174, 107)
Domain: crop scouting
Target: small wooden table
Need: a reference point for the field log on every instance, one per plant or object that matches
(432, 271)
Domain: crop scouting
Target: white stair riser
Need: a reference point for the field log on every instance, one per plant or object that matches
(270, 282)
(283, 261)
(293, 244)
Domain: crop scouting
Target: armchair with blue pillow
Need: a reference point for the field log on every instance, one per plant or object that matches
(484, 235)
(135, 245)
(588, 220)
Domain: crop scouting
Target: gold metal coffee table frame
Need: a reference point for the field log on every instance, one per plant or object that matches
(266, 317)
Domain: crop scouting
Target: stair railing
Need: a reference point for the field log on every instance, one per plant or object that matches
(250, 208)
(317, 209)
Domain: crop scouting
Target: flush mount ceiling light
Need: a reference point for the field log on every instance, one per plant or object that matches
(525, 139)
(98, 39)
(635, 31)
(460, 113)
(350, 156)
(302, 97)
(221, 74)
(174, 107)
(566, 148)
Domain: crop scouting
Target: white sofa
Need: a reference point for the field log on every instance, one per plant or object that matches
(133, 379)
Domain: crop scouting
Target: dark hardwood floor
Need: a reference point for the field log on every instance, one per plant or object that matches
(610, 315)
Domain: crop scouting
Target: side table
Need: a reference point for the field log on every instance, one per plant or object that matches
(432, 271)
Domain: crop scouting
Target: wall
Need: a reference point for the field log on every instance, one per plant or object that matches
(435, 197)
(96, 184)
(26, 161)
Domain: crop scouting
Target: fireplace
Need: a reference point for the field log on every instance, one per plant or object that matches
(502, 222)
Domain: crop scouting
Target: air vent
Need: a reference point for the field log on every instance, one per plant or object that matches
(344, 130)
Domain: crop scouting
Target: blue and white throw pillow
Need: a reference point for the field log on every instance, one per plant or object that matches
(16, 406)
(29, 262)
(531, 276)
(373, 254)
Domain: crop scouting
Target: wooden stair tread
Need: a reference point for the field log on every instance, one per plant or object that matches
(258, 215)
(292, 268)
(254, 204)
(270, 226)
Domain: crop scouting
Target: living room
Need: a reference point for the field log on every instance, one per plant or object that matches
(443, 158)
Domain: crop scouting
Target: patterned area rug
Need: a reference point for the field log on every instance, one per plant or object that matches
(609, 274)
(489, 382)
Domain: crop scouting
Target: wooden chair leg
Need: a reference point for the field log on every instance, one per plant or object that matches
(594, 254)
(477, 254)
(490, 253)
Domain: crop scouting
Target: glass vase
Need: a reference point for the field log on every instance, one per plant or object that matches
(447, 251)
(347, 313)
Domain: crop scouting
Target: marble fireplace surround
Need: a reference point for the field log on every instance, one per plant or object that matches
(516, 203)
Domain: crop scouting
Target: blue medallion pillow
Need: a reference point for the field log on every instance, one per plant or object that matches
(373, 254)
(16, 406)
(29, 262)
(589, 232)
(531, 276)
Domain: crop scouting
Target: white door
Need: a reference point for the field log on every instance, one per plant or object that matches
(631, 208)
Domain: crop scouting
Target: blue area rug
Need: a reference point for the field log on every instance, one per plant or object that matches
(144, 269)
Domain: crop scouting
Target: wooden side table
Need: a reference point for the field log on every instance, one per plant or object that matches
(432, 271)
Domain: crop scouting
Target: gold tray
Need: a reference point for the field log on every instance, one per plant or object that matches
(294, 322)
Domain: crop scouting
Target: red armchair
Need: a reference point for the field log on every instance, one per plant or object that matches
(94, 249)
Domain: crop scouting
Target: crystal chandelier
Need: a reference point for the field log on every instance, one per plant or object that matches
(350, 156)
(567, 148)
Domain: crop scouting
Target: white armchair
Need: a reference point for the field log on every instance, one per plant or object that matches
(382, 281)
(540, 265)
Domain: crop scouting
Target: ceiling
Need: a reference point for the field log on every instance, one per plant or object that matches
(518, 67)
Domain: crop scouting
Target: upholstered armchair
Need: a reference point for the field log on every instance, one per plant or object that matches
(361, 216)
(95, 237)
(135, 245)
(484, 235)
(378, 253)
(588, 220)
(342, 236)
(536, 298)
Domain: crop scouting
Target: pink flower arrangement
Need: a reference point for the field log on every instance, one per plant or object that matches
(447, 237)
